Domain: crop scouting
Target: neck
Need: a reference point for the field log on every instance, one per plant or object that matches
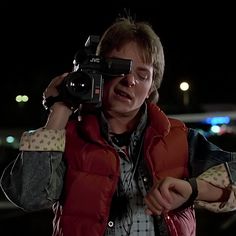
(120, 123)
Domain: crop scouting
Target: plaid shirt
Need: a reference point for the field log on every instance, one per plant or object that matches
(135, 222)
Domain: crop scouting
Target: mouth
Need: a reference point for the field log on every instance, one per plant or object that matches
(123, 94)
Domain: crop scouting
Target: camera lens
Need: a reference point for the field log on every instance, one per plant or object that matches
(79, 84)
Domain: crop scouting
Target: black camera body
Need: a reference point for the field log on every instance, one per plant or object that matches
(85, 83)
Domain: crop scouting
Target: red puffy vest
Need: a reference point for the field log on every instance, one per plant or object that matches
(93, 171)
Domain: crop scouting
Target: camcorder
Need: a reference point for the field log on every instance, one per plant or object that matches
(85, 83)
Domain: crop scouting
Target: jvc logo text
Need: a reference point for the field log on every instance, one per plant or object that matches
(95, 60)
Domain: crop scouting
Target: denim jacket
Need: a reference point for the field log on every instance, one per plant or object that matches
(38, 184)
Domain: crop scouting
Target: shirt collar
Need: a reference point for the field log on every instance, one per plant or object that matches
(136, 134)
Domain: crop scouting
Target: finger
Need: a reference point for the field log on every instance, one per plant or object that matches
(155, 202)
(165, 191)
(158, 197)
(152, 210)
(52, 89)
(58, 80)
(148, 212)
(152, 205)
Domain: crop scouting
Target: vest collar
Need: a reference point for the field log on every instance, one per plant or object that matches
(91, 125)
(157, 120)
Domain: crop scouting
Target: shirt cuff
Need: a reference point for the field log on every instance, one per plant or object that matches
(43, 140)
(219, 176)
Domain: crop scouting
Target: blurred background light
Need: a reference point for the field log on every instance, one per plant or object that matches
(22, 98)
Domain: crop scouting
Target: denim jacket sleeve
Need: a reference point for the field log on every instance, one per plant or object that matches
(214, 165)
(34, 180)
(204, 154)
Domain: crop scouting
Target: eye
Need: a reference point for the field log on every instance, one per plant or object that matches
(142, 76)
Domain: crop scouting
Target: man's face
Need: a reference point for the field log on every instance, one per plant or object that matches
(127, 94)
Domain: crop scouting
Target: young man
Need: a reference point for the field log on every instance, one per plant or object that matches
(125, 168)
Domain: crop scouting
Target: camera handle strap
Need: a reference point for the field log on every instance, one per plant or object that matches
(49, 101)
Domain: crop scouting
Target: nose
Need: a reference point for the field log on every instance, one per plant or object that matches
(129, 80)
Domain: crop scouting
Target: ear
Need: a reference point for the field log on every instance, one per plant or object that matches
(152, 88)
(153, 95)
(149, 92)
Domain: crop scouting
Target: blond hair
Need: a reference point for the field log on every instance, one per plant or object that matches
(124, 30)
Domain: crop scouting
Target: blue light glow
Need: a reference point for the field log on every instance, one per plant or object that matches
(217, 120)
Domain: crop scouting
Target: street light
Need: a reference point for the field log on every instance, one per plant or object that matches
(184, 86)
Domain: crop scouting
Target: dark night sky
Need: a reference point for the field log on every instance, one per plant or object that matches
(38, 42)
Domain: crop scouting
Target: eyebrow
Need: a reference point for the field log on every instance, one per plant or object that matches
(143, 69)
